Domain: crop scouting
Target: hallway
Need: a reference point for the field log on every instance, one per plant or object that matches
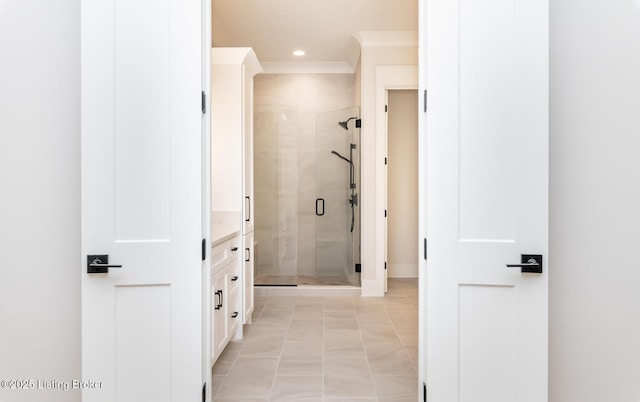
(325, 349)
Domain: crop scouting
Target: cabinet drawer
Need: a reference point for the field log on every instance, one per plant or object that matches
(233, 277)
(219, 257)
(234, 248)
(234, 315)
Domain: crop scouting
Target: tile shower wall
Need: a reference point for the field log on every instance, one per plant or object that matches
(286, 106)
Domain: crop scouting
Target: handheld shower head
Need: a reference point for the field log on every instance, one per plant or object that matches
(342, 157)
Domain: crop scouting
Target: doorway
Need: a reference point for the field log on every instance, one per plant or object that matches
(402, 183)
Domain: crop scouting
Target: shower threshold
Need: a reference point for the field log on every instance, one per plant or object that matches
(302, 280)
(307, 291)
(276, 280)
(304, 285)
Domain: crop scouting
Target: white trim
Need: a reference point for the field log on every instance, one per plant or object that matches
(372, 287)
(387, 38)
(387, 78)
(236, 55)
(302, 67)
(206, 199)
(422, 195)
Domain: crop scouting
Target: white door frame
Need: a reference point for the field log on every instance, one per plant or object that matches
(422, 196)
(387, 78)
(207, 336)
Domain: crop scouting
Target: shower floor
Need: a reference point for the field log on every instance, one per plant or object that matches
(293, 280)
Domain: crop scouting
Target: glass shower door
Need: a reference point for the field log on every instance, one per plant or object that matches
(276, 190)
(337, 204)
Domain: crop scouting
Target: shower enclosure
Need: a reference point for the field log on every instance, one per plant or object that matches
(337, 206)
(307, 197)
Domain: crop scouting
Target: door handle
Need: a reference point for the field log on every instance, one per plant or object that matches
(99, 264)
(234, 278)
(529, 263)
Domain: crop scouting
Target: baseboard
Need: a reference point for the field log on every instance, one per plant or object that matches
(373, 287)
(402, 271)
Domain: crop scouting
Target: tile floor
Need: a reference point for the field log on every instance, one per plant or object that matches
(325, 349)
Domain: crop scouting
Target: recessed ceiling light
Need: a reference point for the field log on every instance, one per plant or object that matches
(298, 53)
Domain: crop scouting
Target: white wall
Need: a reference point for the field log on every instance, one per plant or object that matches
(40, 199)
(378, 49)
(595, 201)
(402, 187)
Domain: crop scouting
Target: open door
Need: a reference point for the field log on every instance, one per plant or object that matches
(142, 200)
(487, 200)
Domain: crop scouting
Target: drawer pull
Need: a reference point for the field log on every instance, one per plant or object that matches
(234, 315)
(235, 278)
(219, 295)
(234, 249)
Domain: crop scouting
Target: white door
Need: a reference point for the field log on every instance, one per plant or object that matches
(220, 330)
(487, 199)
(142, 199)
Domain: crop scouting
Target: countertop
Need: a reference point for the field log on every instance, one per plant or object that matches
(221, 233)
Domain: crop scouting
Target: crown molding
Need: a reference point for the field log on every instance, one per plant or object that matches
(387, 38)
(303, 67)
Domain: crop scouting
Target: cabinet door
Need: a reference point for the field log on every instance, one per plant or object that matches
(219, 321)
(215, 317)
(227, 133)
(248, 277)
(247, 149)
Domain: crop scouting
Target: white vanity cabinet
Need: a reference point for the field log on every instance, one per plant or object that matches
(226, 294)
(232, 73)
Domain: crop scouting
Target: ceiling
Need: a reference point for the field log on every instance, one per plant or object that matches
(323, 29)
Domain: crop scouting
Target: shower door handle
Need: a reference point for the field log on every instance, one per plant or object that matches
(319, 202)
(248, 209)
